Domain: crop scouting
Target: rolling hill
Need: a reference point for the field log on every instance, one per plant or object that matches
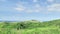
(30, 27)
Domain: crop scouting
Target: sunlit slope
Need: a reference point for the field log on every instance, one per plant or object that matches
(30, 27)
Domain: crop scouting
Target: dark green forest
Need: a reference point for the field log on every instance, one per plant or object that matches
(30, 27)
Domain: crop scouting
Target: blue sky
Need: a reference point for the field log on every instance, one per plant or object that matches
(21, 10)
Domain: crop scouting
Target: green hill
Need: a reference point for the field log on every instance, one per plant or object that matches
(30, 27)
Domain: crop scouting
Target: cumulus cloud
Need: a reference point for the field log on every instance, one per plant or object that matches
(35, 0)
(50, 0)
(20, 8)
(29, 9)
(37, 7)
(54, 7)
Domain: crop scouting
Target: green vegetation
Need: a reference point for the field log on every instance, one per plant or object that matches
(30, 27)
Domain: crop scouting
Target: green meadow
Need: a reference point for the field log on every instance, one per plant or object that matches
(30, 27)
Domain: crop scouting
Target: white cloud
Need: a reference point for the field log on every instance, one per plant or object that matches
(36, 8)
(34, 0)
(50, 0)
(29, 9)
(20, 7)
(54, 7)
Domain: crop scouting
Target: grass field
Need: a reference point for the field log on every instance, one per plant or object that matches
(31, 31)
(41, 31)
(50, 27)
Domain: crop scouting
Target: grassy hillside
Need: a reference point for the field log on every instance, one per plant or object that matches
(30, 27)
